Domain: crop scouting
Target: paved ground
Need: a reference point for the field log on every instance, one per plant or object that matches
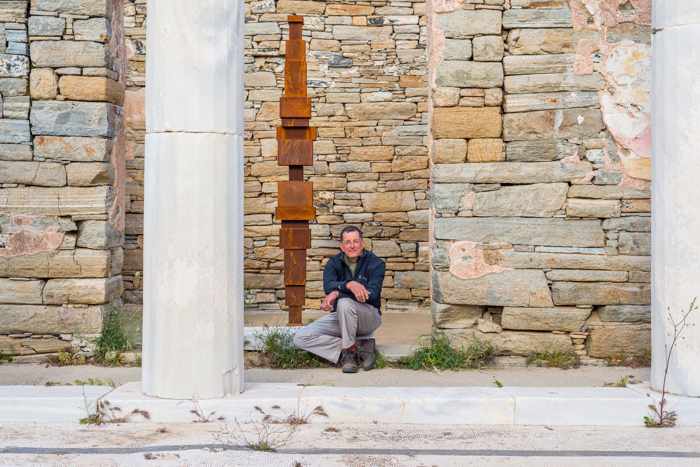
(38, 374)
(322, 444)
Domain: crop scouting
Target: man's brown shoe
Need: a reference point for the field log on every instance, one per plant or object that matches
(348, 360)
(367, 352)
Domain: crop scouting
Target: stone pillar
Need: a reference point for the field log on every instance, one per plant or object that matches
(193, 227)
(676, 191)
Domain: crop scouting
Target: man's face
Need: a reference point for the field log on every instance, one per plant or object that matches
(351, 244)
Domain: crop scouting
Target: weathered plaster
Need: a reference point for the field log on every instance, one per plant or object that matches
(469, 260)
(28, 234)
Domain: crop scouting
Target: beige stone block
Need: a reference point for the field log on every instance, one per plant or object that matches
(263, 281)
(553, 82)
(616, 341)
(514, 342)
(382, 111)
(91, 88)
(43, 83)
(90, 173)
(65, 201)
(634, 243)
(348, 10)
(600, 293)
(466, 122)
(325, 45)
(389, 201)
(536, 200)
(445, 96)
(602, 208)
(371, 153)
(260, 79)
(29, 346)
(87, 291)
(578, 275)
(99, 234)
(541, 41)
(486, 150)
(513, 172)
(406, 164)
(449, 151)
(268, 169)
(468, 74)
(546, 124)
(526, 288)
(135, 109)
(301, 7)
(259, 205)
(327, 183)
(455, 316)
(72, 148)
(386, 248)
(20, 291)
(46, 174)
(569, 319)
(40, 319)
(488, 48)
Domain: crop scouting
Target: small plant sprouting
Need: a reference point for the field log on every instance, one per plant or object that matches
(660, 416)
(441, 355)
(112, 340)
(279, 351)
(105, 412)
(622, 382)
(554, 359)
(5, 358)
(202, 416)
(497, 383)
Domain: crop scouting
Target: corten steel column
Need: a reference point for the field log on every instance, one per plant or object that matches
(295, 149)
(676, 190)
(193, 253)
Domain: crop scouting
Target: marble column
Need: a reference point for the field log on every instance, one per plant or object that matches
(676, 190)
(193, 227)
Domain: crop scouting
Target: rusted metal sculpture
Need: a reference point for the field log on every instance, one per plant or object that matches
(295, 149)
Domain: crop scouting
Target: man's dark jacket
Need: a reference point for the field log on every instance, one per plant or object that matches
(369, 272)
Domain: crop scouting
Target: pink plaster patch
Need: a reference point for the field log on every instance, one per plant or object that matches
(469, 260)
(22, 237)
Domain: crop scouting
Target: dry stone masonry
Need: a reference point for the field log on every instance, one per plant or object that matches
(495, 152)
(61, 209)
(540, 196)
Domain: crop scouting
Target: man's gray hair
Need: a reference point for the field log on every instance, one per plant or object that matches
(349, 229)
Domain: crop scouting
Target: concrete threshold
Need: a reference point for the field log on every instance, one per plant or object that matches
(571, 406)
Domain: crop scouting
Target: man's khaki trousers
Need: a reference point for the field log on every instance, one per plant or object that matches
(327, 336)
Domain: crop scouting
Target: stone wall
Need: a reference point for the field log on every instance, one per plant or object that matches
(541, 191)
(367, 63)
(61, 176)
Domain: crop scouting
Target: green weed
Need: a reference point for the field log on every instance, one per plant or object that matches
(279, 351)
(113, 339)
(441, 355)
(554, 359)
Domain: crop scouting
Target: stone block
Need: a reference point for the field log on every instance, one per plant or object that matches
(569, 319)
(488, 49)
(263, 281)
(85, 291)
(625, 313)
(91, 88)
(548, 101)
(466, 23)
(58, 54)
(582, 275)
(537, 200)
(466, 122)
(98, 235)
(540, 41)
(348, 10)
(16, 107)
(592, 208)
(301, 7)
(382, 111)
(14, 131)
(30, 346)
(13, 66)
(547, 124)
(15, 152)
(43, 84)
(389, 201)
(13, 87)
(260, 79)
(349, 167)
(362, 33)
(371, 153)
(634, 243)
(455, 316)
(485, 150)
(535, 64)
(537, 18)
(522, 231)
(46, 26)
(569, 260)
(93, 29)
(33, 173)
(457, 49)
(600, 293)
(327, 183)
(508, 288)
(261, 28)
(512, 172)
(514, 342)
(62, 263)
(20, 291)
(629, 224)
(66, 201)
(412, 279)
(553, 82)
(467, 74)
(13, 11)
(75, 7)
(409, 163)
(41, 319)
(540, 150)
(385, 248)
(74, 149)
(66, 118)
(90, 174)
(446, 151)
(619, 341)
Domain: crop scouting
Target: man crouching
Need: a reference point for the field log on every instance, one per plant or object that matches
(352, 282)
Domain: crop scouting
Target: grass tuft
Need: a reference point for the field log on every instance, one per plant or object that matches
(279, 351)
(441, 355)
(113, 339)
(554, 359)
